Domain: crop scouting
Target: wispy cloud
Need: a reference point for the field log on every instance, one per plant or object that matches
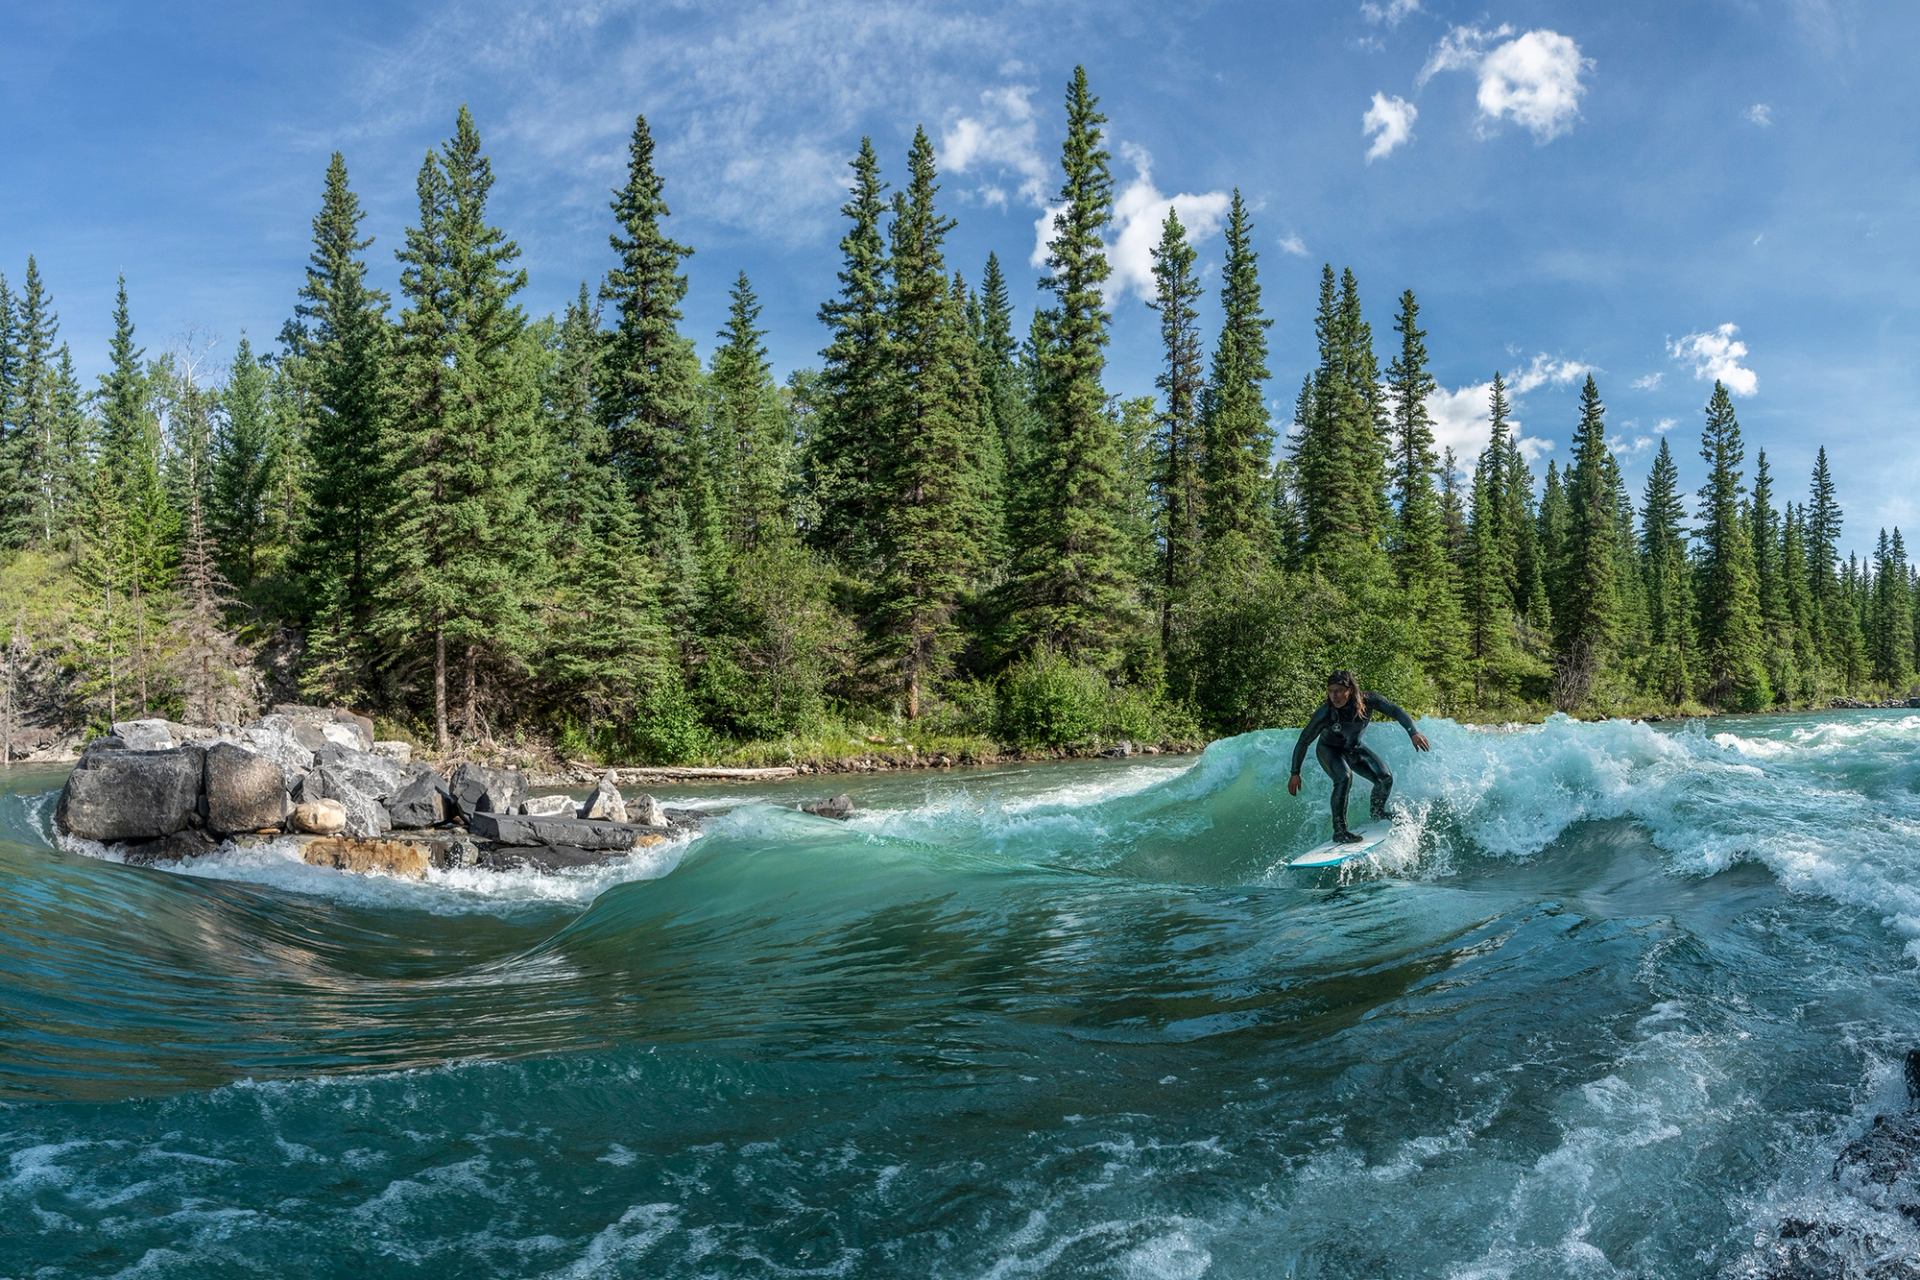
(1002, 137)
(1665, 425)
(1761, 114)
(1388, 14)
(1544, 370)
(1531, 79)
(1648, 382)
(1293, 244)
(1718, 354)
(1389, 122)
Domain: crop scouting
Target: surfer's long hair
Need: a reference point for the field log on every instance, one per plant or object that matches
(1344, 679)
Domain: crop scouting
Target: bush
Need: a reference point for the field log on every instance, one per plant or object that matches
(1049, 701)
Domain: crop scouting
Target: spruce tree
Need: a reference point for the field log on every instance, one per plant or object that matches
(1586, 613)
(38, 474)
(1732, 672)
(652, 376)
(1178, 460)
(340, 343)
(1238, 437)
(1004, 388)
(242, 469)
(1530, 561)
(753, 467)
(930, 523)
(1072, 589)
(1800, 609)
(1663, 538)
(1488, 598)
(1776, 620)
(467, 548)
(1340, 456)
(1893, 615)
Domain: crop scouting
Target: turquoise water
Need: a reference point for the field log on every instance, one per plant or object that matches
(1608, 1005)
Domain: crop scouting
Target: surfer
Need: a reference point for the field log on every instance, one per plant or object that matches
(1336, 727)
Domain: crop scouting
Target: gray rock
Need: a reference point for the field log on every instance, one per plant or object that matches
(376, 775)
(456, 853)
(394, 750)
(421, 801)
(366, 817)
(840, 806)
(275, 738)
(244, 791)
(574, 832)
(545, 857)
(606, 803)
(643, 810)
(131, 795)
(348, 729)
(478, 789)
(554, 806)
(159, 735)
(1119, 750)
(191, 843)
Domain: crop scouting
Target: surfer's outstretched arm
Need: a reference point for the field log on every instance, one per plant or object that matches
(1380, 703)
(1308, 736)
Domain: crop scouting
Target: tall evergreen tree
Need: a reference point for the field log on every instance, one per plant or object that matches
(1663, 540)
(1776, 620)
(1586, 611)
(1001, 379)
(1892, 645)
(467, 548)
(242, 464)
(148, 524)
(652, 387)
(753, 467)
(1071, 588)
(1237, 433)
(1178, 460)
(38, 473)
(1420, 552)
(1732, 671)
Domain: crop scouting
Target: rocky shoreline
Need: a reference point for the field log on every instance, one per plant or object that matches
(156, 792)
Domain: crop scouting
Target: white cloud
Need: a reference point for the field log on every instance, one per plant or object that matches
(1665, 425)
(1389, 122)
(1003, 137)
(1761, 114)
(1717, 353)
(1532, 79)
(1139, 210)
(1294, 245)
(1627, 448)
(1461, 423)
(1389, 13)
(1648, 382)
(1544, 370)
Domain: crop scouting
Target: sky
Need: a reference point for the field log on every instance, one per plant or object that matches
(1655, 192)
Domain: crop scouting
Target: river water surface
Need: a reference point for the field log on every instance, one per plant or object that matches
(1608, 1004)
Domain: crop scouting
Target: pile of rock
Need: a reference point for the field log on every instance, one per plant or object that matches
(1890, 704)
(161, 791)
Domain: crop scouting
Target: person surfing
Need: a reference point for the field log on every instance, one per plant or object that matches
(1335, 731)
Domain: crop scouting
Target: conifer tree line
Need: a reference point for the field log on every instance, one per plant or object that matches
(478, 522)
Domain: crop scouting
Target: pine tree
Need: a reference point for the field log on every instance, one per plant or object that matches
(1530, 561)
(1237, 434)
(753, 467)
(1004, 388)
(1587, 610)
(39, 474)
(241, 465)
(1340, 457)
(1178, 460)
(1071, 589)
(930, 523)
(467, 547)
(1892, 615)
(1487, 596)
(210, 663)
(1732, 672)
(1837, 639)
(652, 389)
(1800, 607)
(340, 343)
(1776, 620)
(1663, 540)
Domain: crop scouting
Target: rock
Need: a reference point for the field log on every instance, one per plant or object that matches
(1119, 750)
(376, 775)
(105, 742)
(131, 795)
(840, 806)
(244, 791)
(274, 737)
(352, 731)
(394, 750)
(551, 857)
(191, 843)
(319, 817)
(459, 852)
(159, 735)
(405, 858)
(422, 801)
(643, 810)
(606, 803)
(554, 806)
(616, 837)
(366, 817)
(477, 789)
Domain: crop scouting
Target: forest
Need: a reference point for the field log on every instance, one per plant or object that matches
(488, 527)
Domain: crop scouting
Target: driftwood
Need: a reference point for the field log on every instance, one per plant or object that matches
(636, 776)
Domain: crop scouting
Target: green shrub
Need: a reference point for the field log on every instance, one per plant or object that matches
(1049, 701)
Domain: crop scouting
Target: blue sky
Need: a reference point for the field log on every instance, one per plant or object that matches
(1652, 190)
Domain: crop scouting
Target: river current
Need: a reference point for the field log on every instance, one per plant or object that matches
(1608, 1003)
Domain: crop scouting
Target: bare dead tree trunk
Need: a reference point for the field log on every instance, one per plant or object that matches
(442, 742)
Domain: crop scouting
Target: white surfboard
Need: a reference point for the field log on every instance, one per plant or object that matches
(1332, 855)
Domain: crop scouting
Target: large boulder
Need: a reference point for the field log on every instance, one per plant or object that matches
(552, 806)
(366, 817)
(131, 795)
(420, 802)
(840, 806)
(245, 791)
(276, 738)
(606, 803)
(323, 725)
(158, 735)
(479, 789)
(376, 775)
(191, 843)
(556, 832)
(406, 858)
(395, 750)
(319, 817)
(645, 811)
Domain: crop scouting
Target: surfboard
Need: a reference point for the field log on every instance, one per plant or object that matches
(1332, 855)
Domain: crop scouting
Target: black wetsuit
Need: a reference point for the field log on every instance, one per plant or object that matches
(1337, 733)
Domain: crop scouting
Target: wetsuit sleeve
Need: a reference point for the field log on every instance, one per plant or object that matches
(1315, 727)
(1377, 703)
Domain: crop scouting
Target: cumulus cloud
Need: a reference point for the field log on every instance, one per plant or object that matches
(1544, 370)
(1461, 423)
(1003, 137)
(1389, 13)
(1294, 245)
(1532, 79)
(1761, 114)
(1389, 122)
(1665, 425)
(1139, 210)
(1648, 382)
(1717, 354)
